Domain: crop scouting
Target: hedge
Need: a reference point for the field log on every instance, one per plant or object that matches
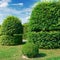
(10, 40)
(11, 31)
(11, 25)
(44, 25)
(6, 40)
(45, 16)
(46, 40)
(30, 50)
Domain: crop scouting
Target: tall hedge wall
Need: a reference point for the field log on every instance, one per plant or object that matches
(44, 25)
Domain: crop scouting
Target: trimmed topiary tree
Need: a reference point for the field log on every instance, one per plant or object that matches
(44, 25)
(30, 50)
(45, 16)
(11, 31)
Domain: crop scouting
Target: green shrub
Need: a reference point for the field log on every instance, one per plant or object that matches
(45, 16)
(44, 25)
(11, 31)
(11, 25)
(46, 40)
(10, 40)
(18, 38)
(6, 40)
(30, 50)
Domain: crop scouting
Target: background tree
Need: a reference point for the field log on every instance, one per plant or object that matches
(25, 30)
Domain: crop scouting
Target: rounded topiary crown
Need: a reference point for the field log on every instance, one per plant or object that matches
(11, 25)
(30, 50)
(45, 16)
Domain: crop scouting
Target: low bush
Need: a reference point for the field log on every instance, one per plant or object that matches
(7, 40)
(10, 40)
(47, 40)
(30, 50)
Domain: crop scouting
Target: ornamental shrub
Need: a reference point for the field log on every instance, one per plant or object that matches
(11, 25)
(45, 16)
(10, 40)
(11, 31)
(18, 38)
(30, 50)
(44, 25)
(6, 40)
(46, 40)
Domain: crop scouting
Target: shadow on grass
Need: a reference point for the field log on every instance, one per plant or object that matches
(23, 43)
(40, 55)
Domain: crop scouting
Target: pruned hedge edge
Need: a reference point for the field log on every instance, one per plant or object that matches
(46, 40)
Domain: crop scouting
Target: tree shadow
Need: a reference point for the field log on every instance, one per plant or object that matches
(23, 43)
(40, 55)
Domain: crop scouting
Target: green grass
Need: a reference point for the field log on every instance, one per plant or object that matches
(14, 53)
(54, 58)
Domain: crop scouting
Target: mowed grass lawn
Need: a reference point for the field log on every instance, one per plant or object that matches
(14, 53)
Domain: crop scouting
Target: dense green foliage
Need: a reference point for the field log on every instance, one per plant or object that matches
(48, 40)
(11, 31)
(44, 25)
(10, 40)
(45, 16)
(30, 50)
(11, 25)
(7, 40)
(0, 29)
(25, 30)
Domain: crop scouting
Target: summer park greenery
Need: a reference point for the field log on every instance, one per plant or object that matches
(41, 34)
